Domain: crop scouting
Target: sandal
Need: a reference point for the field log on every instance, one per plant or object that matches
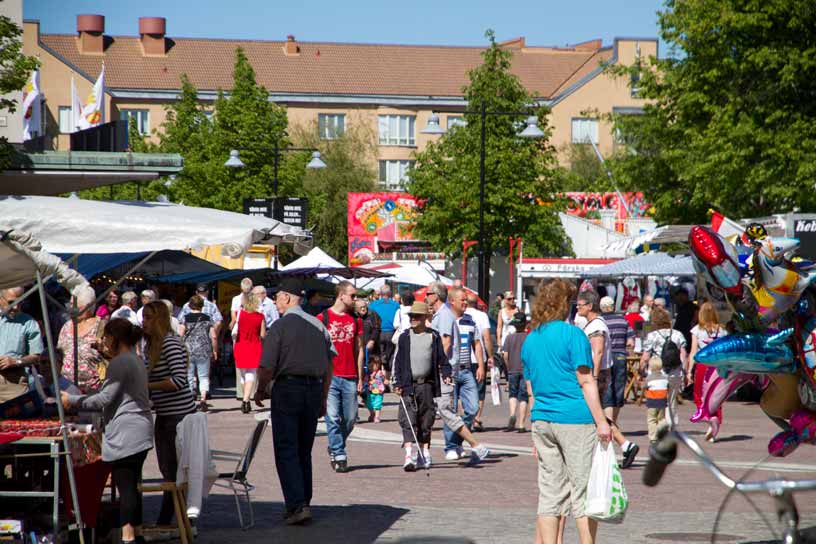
(477, 426)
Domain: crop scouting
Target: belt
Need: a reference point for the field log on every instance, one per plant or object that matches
(420, 381)
(297, 378)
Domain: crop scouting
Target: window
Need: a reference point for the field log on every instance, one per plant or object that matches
(397, 129)
(456, 121)
(634, 85)
(584, 131)
(65, 120)
(142, 119)
(393, 173)
(331, 125)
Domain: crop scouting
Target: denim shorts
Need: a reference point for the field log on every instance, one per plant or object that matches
(613, 397)
(518, 386)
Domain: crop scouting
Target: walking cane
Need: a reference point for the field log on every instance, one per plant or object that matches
(419, 446)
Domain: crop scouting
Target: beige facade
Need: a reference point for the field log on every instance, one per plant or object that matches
(578, 90)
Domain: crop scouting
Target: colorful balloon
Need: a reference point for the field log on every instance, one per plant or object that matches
(754, 353)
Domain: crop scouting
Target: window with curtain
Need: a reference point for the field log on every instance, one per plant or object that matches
(142, 119)
(397, 129)
(393, 174)
(456, 121)
(331, 125)
(65, 120)
(584, 131)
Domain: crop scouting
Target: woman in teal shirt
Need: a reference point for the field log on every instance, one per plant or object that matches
(567, 416)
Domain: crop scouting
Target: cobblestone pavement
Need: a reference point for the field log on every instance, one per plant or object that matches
(494, 502)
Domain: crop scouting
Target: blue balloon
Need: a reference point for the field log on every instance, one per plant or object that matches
(753, 353)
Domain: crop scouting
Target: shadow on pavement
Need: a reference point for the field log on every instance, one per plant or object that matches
(358, 523)
(734, 438)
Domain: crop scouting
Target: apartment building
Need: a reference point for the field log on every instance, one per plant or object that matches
(393, 89)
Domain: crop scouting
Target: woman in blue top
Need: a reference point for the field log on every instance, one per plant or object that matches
(566, 414)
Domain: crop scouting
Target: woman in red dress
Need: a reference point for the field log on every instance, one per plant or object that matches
(248, 345)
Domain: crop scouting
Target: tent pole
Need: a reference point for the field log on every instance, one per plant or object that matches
(69, 464)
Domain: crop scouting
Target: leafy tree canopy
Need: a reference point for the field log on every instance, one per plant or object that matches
(731, 115)
(15, 69)
(518, 171)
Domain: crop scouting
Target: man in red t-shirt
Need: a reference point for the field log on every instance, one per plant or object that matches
(346, 332)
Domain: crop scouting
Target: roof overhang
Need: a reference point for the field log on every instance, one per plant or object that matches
(53, 173)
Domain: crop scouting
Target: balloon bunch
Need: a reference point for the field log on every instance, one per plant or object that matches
(775, 316)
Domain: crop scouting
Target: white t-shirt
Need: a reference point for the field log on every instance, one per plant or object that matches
(598, 326)
(655, 340)
(482, 324)
(704, 337)
(126, 312)
(579, 321)
(236, 302)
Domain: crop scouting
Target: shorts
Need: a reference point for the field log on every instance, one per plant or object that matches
(603, 381)
(564, 453)
(374, 401)
(518, 387)
(613, 397)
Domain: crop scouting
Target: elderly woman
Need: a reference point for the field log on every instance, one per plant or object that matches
(566, 414)
(90, 363)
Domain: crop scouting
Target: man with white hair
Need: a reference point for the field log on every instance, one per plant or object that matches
(646, 307)
(128, 308)
(148, 296)
(266, 306)
(20, 344)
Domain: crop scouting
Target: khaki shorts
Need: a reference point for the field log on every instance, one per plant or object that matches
(564, 461)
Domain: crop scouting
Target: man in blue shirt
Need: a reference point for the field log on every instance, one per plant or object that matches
(387, 309)
(20, 344)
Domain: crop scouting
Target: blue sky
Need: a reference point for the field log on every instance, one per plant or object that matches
(437, 22)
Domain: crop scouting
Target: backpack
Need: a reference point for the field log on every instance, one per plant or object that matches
(670, 354)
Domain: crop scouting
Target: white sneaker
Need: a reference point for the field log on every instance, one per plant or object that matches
(452, 455)
(426, 455)
(479, 453)
(410, 462)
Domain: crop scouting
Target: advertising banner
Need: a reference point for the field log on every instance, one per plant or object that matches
(374, 217)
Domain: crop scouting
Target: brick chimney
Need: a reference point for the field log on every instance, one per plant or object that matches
(151, 32)
(91, 34)
(291, 47)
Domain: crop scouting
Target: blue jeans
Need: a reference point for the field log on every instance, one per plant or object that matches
(466, 390)
(200, 367)
(341, 414)
(295, 410)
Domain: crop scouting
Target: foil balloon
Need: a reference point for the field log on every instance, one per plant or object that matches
(754, 353)
(803, 423)
(783, 444)
(778, 283)
(715, 259)
(714, 392)
(781, 398)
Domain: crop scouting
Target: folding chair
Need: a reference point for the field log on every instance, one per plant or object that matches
(237, 479)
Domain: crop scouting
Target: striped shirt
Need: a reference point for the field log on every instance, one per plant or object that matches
(469, 332)
(619, 331)
(657, 389)
(172, 365)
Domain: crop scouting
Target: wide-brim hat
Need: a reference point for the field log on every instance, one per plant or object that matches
(418, 308)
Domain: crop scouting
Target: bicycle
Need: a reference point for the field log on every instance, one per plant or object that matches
(664, 452)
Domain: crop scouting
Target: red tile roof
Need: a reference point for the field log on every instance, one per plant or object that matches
(321, 68)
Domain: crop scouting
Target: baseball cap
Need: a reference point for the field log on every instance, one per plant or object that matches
(292, 286)
(606, 302)
(202, 288)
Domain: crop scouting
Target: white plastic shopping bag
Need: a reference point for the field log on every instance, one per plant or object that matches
(606, 496)
(495, 390)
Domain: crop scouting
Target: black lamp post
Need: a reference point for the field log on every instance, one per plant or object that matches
(531, 130)
(235, 161)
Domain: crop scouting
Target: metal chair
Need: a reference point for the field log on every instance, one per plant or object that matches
(237, 479)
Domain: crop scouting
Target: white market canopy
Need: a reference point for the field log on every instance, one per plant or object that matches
(75, 226)
(411, 274)
(316, 258)
(646, 264)
(21, 257)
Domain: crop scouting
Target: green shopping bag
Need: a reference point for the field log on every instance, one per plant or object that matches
(606, 495)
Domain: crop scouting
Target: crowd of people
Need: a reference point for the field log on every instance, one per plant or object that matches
(145, 370)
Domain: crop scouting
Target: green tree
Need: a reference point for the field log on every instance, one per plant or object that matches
(584, 171)
(731, 116)
(15, 68)
(518, 171)
(350, 160)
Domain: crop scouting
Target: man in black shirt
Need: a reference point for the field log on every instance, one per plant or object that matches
(685, 316)
(297, 364)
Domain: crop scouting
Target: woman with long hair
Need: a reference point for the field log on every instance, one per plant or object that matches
(707, 330)
(169, 391)
(125, 406)
(567, 416)
(248, 346)
(504, 321)
(89, 365)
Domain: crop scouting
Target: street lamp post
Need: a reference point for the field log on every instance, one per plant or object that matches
(532, 131)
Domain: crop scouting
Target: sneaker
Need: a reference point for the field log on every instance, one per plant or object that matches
(410, 463)
(342, 466)
(629, 456)
(300, 516)
(376, 420)
(426, 457)
(479, 453)
(454, 455)
(511, 423)
(522, 430)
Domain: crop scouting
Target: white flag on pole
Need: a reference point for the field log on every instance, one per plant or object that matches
(31, 107)
(93, 114)
(76, 107)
